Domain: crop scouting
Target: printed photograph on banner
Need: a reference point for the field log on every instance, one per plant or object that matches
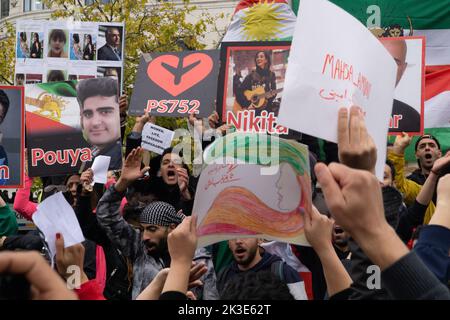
(56, 75)
(251, 85)
(30, 45)
(69, 123)
(110, 43)
(234, 199)
(409, 96)
(62, 50)
(58, 43)
(108, 71)
(176, 84)
(12, 137)
(83, 46)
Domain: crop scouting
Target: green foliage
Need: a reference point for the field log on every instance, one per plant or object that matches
(7, 55)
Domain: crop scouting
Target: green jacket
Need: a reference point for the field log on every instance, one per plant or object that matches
(8, 222)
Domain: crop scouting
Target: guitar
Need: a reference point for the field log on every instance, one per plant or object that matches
(256, 97)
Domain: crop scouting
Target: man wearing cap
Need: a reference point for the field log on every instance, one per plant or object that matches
(147, 247)
(428, 150)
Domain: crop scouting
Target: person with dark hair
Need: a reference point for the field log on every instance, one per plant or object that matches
(57, 42)
(111, 50)
(263, 285)
(257, 91)
(55, 76)
(4, 107)
(36, 47)
(89, 50)
(76, 53)
(100, 120)
(147, 247)
(24, 49)
(248, 258)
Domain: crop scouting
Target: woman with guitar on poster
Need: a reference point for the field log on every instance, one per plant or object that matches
(258, 90)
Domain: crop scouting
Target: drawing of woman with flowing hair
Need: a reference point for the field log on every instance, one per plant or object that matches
(236, 210)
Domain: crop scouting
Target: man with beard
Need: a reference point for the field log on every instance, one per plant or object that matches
(248, 258)
(428, 150)
(147, 247)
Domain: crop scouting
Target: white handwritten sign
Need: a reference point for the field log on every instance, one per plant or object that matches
(337, 65)
(156, 138)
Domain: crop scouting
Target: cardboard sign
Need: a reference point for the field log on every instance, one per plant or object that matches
(251, 86)
(236, 198)
(409, 96)
(176, 84)
(329, 69)
(156, 138)
(64, 136)
(50, 51)
(12, 137)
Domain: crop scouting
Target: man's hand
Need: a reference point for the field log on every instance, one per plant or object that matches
(353, 197)
(356, 147)
(318, 230)
(86, 179)
(131, 170)
(441, 215)
(401, 143)
(441, 164)
(70, 256)
(45, 283)
(182, 241)
(213, 120)
(123, 104)
(183, 183)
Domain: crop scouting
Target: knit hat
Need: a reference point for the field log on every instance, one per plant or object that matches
(161, 214)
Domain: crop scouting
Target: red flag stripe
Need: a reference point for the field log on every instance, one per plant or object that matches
(437, 80)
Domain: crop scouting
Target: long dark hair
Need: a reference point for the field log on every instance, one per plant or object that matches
(268, 58)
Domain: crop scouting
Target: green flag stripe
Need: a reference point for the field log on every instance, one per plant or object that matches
(425, 14)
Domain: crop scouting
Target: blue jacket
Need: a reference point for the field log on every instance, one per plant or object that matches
(433, 248)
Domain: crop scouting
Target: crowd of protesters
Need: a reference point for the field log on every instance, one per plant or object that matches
(141, 238)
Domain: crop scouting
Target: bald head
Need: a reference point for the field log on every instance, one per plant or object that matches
(398, 49)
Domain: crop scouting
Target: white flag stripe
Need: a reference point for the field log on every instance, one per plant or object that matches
(437, 111)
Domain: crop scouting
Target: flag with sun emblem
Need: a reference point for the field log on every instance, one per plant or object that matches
(261, 20)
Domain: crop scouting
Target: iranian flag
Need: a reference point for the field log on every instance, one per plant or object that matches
(429, 18)
(261, 20)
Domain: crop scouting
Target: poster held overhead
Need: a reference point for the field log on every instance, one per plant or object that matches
(68, 124)
(248, 191)
(12, 137)
(176, 84)
(329, 69)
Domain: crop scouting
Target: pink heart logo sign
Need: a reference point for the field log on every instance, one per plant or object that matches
(176, 75)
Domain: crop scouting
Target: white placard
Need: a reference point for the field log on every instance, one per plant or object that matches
(156, 138)
(338, 64)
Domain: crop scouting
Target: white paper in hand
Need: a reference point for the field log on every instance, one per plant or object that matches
(55, 215)
(100, 169)
(156, 138)
(338, 64)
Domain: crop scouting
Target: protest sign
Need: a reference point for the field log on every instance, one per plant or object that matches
(49, 51)
(12, 137)
(156, 138)
(251, 85)
(176, 84)
(55, 215)
(409, 96)
(235, 198)
(68, 124)
(329, 69)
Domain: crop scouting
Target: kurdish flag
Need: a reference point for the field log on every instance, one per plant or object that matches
(261, 20)
(429, 18)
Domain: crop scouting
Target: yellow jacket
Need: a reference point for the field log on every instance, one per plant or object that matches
(410, 189)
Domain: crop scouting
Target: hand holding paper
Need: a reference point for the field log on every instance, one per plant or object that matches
(100, 169)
